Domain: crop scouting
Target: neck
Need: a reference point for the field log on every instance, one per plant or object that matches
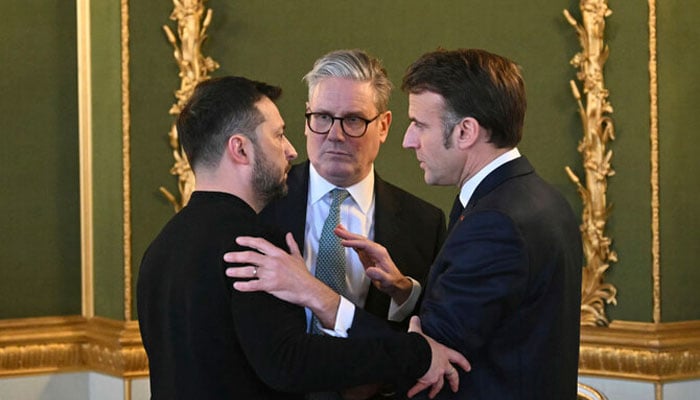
(478, 160)
(212, 181)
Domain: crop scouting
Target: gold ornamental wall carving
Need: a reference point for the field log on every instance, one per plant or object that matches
(192, 24)
(594, 110)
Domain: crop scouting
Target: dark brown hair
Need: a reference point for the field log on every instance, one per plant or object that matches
(217, 109)
(474, 83)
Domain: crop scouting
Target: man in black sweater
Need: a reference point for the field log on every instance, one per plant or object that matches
(207, 340)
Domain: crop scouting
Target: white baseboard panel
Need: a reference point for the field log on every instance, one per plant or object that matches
(71, 386)
(627, 389)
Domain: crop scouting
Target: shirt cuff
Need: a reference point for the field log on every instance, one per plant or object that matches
(400, 312)
(343, 319)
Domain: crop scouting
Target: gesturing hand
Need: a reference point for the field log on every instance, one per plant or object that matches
(440, 366)
(379, 266)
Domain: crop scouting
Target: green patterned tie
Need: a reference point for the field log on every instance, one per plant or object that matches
(330, 262)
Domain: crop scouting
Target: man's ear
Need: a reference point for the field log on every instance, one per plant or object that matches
(306, 132)
(238, 149)
(384, 124)
(467, 132)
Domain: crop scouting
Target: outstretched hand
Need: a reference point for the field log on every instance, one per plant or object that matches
(440, 366)
(285, 274)
(379, 266)
(282, 274)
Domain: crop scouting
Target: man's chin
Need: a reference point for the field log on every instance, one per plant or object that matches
(340, 174)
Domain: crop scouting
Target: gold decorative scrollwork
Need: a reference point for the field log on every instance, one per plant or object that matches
(597, 131)
(192, 24)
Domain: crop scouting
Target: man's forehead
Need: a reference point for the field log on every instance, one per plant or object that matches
(426, 99)
(270, 112)
(343, 95)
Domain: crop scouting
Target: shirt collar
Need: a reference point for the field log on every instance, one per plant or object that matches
(362, 192)
(472, 183)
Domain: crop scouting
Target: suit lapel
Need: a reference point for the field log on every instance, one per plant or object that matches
(386, 214)
(517, 167)
(291, 210)
(387, 232)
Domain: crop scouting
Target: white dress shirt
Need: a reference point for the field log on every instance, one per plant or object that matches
(357, 215)
(465, 194)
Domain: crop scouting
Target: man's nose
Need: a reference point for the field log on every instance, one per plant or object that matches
(336, 131)
(290, 151)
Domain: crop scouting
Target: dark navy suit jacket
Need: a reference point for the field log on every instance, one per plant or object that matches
(505, 290)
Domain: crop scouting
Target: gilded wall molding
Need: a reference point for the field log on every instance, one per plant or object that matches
(598, 129)
(642, 351)
(192, 24)
(85, 155)
(72, 343)
(126, 157)
(658, 353)
(654, 157)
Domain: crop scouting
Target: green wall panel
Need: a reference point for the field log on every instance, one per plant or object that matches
(277, 41)
(107, 159)
(154, 79)
(679, 57)
(629, 190)
(39, 223)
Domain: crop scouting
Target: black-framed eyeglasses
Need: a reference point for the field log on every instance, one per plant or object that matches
(352, 126)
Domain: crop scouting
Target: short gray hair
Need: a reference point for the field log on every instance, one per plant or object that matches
(353, 64)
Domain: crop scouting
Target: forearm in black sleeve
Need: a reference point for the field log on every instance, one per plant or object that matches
(273, 335)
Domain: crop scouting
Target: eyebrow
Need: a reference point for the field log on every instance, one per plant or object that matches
(360, 114)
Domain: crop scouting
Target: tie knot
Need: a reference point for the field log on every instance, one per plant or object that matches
(339, 196)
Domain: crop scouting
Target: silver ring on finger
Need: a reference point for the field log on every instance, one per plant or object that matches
(255, 272)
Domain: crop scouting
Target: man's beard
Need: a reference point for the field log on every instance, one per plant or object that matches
(268, 183)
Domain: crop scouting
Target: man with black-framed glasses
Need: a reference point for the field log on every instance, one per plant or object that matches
(347, 121)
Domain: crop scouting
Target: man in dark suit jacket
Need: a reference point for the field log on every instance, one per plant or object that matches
(505, 289)
(347, 121)
(205, 340)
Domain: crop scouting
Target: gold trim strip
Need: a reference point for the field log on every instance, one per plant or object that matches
(126, 157)
(85, 144)
(127, 389)
(654, 138)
